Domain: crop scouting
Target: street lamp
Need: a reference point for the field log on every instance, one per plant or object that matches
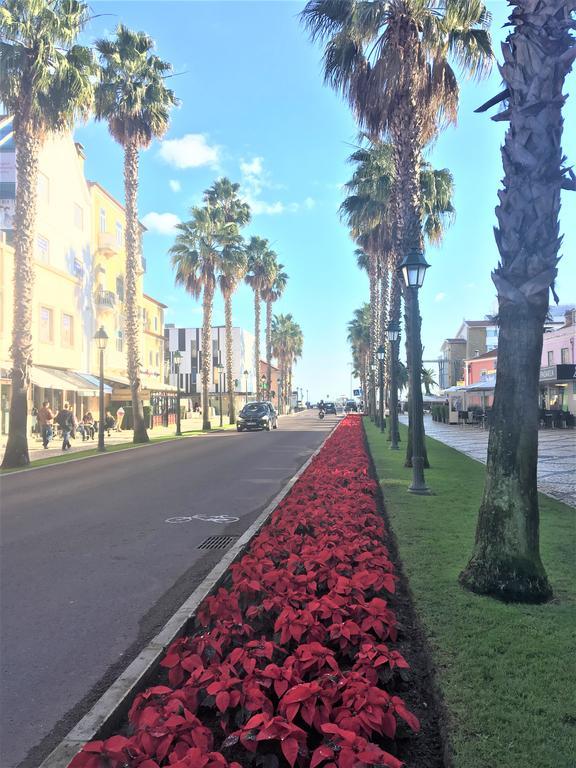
(246, 384)
(373, 414)
(393, 337)
(220, 369)
(177, 359)
(413, 269)
(380, 354)
(101, 338)
(263, 382)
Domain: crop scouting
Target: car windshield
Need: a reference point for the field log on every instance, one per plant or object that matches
(254, 409)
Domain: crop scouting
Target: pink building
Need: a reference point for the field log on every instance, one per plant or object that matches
(558, 369)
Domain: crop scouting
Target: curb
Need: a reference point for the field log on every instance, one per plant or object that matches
(113, 705)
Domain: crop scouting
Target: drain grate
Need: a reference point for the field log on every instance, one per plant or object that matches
(217, 542)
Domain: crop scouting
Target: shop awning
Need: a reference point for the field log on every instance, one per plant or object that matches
(70, 381)
(95, 383)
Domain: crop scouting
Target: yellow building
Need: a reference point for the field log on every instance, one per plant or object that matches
(79, 286)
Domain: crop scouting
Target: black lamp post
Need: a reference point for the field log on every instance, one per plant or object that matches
(177, 359)
(374, 414)
(220, 369)
(413, 269)
(263, 382)
(393, 336)
(380, 354)
(246, 384)
(101, 338)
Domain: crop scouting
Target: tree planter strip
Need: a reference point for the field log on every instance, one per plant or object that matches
(111, 709)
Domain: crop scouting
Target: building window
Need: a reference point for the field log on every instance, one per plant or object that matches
(157, 359)
(43, 249)
(120, 287)
(119, 234)
(67, 331)
(78, 216)
(156, 324)
(551, 358)
(102, 220)
(43, 188)
(119, 341)
(564, 355)
(46, 325)
(150, 358)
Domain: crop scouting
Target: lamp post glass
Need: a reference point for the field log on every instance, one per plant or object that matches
(177, 360)
(413, 269)
(101, 338)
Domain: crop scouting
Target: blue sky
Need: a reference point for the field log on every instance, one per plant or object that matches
(253, 108)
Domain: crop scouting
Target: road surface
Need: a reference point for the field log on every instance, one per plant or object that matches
(91, 568)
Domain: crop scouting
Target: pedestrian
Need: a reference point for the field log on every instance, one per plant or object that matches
(109, 422)
(45, 420)
(119, 416)
(88, 424)
(65, 420)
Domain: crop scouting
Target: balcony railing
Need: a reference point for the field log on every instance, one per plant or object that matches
(105, 299)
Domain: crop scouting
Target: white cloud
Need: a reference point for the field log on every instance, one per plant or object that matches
(161, 223)
(253, 167)
(255, 179)
(190, 151)
(175, 185)
(440, 296)
(309, 203)
(259, 207)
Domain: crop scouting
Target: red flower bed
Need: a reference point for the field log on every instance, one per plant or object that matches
(294, 664)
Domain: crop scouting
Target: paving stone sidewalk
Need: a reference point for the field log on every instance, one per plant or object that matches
(556, 454)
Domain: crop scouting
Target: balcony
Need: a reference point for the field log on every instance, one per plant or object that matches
(105, 300)
(107, 244)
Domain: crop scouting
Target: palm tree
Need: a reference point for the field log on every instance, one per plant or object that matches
(223, 196)
(538, 55)
(287, 342)
(359, 340)
(202, 246)
(261, 270)
(271, 292)
(391, 61)
(428, 379)
(133, 98)
(45, 83)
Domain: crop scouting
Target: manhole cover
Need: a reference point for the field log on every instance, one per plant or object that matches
(217, 542)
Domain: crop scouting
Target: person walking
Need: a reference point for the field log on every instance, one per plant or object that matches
(65, 420)
(45, 421)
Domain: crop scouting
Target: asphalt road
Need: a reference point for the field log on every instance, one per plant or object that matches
(91, 569)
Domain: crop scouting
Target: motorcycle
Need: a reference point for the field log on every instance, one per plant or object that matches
(321, 414)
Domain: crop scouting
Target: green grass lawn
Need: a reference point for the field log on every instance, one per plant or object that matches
(507, 672)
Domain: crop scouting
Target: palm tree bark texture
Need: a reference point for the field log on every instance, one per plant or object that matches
(207, 300)
(229, 375)
(131, 296)
(27, 151)
(538, 55)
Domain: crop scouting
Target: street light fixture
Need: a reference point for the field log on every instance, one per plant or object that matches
(380, 354)
(393, 337)
(246, 384)
(101, 338)
(413, 269)
(220, 369)
(177, 360)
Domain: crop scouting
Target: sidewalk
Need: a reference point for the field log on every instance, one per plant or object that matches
(556, 454)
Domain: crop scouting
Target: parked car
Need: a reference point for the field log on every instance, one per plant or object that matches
(257, 415)
(350, 406)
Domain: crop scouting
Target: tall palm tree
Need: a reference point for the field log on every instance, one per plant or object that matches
(261, 270)
(538, 55)
(428, 379)
(45, 83)
(198, 255)
(133, 98)
(271, 292)
(287, 341)
(223, 195)
(391, 59)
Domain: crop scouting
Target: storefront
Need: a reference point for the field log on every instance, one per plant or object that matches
(558, 387)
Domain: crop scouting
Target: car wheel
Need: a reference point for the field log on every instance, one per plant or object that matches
(239, 429)
(268, 427)
(276, 425)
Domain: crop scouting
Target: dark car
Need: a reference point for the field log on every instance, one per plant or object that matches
(257, 415)
(329, 408)
(351, 406)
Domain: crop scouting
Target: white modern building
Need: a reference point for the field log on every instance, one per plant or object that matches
(188, 341)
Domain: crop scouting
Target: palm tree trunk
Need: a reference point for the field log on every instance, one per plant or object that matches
(206, 351)
(384, 315)
(131, 307)
(27, 151)
(395, 309)
(230, 380)
(538, 55)
(373, 277)
(257, 340)
(269, 344)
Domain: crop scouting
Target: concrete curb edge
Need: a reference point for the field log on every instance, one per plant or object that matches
(112, 706)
